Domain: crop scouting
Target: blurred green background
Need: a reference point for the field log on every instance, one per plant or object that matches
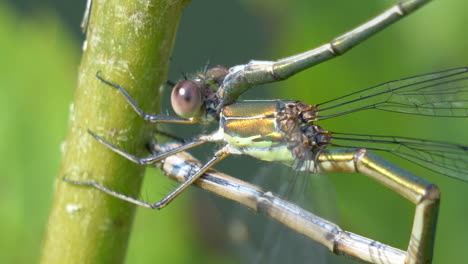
(40, 53)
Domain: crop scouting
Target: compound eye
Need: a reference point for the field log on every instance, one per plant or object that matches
(186, 99)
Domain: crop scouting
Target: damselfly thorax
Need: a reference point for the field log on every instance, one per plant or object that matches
(274, 130)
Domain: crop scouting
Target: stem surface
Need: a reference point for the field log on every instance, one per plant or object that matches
(129, 43)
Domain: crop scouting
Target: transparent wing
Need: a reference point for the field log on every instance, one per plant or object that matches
(442, 94)
(442, 157)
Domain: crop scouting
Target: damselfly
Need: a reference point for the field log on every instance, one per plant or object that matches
(287, 131)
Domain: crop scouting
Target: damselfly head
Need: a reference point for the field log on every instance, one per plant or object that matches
(194, 98)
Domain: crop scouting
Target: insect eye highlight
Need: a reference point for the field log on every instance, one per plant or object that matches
(186, 99)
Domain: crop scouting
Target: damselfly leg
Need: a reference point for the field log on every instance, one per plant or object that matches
(141, 113)
(218, 156)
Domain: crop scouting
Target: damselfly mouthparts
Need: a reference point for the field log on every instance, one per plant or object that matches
(288, 131)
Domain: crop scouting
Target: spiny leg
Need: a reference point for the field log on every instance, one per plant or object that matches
(152, 159)
(109, 191)
(171, 136)
(140, 112)
(419, 191)
(243, 77)
(220, 155)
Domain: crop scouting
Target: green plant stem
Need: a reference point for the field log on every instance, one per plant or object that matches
(129, 43)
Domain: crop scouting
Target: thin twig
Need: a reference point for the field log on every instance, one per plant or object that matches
(129, 42)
